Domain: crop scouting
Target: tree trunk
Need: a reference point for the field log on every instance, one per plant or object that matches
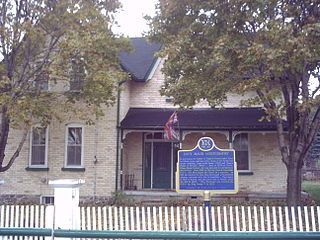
(4, 132)
(294, 183)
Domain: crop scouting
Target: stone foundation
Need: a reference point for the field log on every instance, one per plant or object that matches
(153, 197)
(95, 200)
(19, 199)
(35, 199)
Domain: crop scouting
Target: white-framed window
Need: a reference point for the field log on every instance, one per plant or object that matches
(41, 85)
(38, 146)
(74, 145)
(242, 151)
(77, 74)
(41, 80)
(47, 199)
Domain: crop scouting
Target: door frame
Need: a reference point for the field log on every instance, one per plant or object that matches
(152, 141)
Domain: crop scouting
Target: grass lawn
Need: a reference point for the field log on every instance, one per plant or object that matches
(313, 188)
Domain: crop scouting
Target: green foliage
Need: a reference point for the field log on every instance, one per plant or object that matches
(172, 202)
(40, 41)
(120, 198)
(213, 47)
(269, 47)
(313, 188)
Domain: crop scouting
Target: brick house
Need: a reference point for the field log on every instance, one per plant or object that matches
(125, 149)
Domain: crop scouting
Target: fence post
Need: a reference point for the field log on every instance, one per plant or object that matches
(66, 203)
(206, 209)
(49, 218)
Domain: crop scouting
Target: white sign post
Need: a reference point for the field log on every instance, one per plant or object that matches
(66, 203)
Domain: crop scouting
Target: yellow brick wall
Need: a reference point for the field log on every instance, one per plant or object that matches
(99, 140)
(132, 156)
(147, 94)
(124, 99)
(267, 167)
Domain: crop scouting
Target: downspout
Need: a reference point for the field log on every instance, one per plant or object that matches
(121, 159)
(118, 136)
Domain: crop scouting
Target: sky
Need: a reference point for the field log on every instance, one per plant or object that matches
(130, 18)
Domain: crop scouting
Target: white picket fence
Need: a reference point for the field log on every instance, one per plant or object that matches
(187, 218)
(26, 216)
(161, 218)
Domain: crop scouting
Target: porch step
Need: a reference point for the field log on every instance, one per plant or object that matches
(158, 197)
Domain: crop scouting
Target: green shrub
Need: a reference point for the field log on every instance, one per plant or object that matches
(119, 198)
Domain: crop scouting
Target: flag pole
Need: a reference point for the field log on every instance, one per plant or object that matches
(180, 132)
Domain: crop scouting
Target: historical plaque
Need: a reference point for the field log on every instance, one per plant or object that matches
(206, 168)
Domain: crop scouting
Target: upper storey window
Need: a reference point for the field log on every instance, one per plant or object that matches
(77, 74)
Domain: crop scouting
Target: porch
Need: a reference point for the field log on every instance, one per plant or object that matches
(148, 161)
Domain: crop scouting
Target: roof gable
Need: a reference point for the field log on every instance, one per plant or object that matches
(140, 62)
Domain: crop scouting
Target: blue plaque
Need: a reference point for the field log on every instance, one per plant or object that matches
(207, 168)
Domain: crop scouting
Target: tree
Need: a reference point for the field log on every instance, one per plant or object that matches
(42, 42)
(270, 47)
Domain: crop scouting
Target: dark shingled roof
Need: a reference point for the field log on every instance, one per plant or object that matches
(201, 118)
(139, 62)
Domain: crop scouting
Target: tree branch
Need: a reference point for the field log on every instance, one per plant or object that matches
(304, 116)
(24, 78)
(17, 152)
(313, 130)
(2, 32)
(280, 129)
(315, 91)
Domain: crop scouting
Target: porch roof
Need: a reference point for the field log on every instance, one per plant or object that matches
(199, 118)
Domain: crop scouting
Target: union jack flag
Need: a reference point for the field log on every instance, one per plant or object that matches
(169, 131)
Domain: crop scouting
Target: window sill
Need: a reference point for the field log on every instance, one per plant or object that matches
(245, 173)
(37, 168)
(73, 169)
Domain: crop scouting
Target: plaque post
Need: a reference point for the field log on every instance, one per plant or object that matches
(206, 199)
(207, 205)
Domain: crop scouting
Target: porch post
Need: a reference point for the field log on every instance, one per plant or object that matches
(180, 139)
(66, 203)
(230, 139)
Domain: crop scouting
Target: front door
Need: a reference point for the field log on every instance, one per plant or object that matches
(160, 158)
(162, 165)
